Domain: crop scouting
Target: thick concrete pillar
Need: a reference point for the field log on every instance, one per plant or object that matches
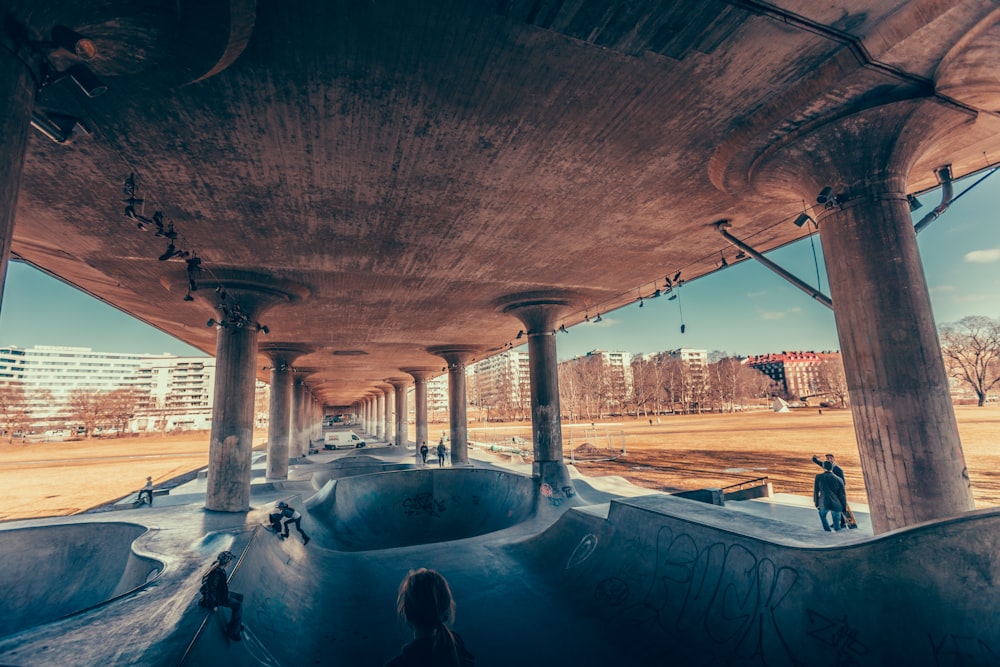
(907, 434)
(379, 414)
(457, 356)
(420, 377)
(18, 85)
(240, 298)
(282, 356)
(299, 443)
(389, 427)
(540, 313)
(401, 437)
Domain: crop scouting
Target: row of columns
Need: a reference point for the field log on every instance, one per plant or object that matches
(907, 434)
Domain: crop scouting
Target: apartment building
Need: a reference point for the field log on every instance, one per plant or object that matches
(799, 374)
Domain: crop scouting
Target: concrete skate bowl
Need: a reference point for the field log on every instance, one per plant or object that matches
(51, 572)
(350, 466)
(405, 508)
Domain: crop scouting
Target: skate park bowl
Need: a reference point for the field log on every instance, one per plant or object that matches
(52, 572)
(419, 506)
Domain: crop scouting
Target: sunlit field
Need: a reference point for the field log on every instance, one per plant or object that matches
(675, 452)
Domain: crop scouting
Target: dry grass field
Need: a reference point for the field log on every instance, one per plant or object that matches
(678, 452)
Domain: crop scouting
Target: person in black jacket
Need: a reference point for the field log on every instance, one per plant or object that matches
(425, 602)
(215, 593)
(839, 473)
(829, 496)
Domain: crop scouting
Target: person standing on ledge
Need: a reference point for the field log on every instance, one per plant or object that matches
(829, 496)
(847, 518)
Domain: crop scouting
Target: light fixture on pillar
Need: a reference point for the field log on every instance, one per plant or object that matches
(802, 219)
(827, 198)
(520, 334)
(57, 127)
(913, 202)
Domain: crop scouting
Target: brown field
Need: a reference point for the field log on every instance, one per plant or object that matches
(679, 452)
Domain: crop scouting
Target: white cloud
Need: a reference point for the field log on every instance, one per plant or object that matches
(983, 256)
(755, 295)
(943, 288)
(777, 314)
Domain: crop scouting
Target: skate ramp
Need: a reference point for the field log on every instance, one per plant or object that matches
(51, 572)
(419, 506)
(671, 577)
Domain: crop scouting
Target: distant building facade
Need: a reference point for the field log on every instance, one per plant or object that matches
(501, 385)
(171, 393)
(798, 374)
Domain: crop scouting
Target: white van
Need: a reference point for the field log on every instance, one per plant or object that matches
(342, 439)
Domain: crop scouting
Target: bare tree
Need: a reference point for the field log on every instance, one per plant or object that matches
(119, 407)
(971, 350)
(13, 410)
(832, 381)
(87, 408)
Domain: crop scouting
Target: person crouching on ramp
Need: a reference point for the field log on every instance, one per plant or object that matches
(290, 515)
(215, 593)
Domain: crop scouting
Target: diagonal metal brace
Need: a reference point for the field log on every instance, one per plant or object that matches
(723, 226)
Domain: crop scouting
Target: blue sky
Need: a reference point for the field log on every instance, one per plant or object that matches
(743, 309)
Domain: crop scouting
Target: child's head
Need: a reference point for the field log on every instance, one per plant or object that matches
(425, 599)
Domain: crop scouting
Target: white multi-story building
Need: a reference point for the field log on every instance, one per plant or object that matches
(501, 385)
(175, 393)
(171, 392)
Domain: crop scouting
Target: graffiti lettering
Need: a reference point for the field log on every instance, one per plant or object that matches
(960, 651)
(423, 503)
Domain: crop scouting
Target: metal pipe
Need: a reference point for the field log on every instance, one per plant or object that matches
(944, 173)
(805, 287)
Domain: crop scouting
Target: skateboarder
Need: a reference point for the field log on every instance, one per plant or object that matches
(290, 515)
(215, 593)
(147, 491)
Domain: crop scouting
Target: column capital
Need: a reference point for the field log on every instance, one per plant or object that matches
(864, 155)
(253, 292)
(283, 353)
(399, 383)
(421, 373)
(540, 310)
(456, 355)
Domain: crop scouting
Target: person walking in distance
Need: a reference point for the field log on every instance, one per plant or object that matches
(215, 593)
(442, 450)
(423, 452)
(426, 604)
(829, 496)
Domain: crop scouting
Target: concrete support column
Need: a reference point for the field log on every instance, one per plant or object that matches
(299, 445)
(400, 430)
(540, 313)
(17, 82)
(457, 357)
(240, 298)
(282, 356)
(420, 377)
(369, 415)
(907, 434)
(380, 415)
(389, 427)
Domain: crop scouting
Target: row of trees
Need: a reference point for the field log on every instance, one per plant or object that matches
(23, 411)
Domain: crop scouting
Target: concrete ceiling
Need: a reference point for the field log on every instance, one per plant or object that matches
(405, 165)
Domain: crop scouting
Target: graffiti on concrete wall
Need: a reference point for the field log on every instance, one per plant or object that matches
(962, 651)
(722, 597)
(837, 635)
(423, 503)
